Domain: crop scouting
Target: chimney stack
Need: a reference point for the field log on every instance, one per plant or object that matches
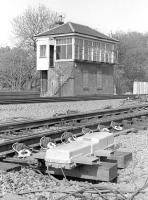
(60, 20)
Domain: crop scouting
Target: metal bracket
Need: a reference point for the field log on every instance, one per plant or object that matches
(86, 160)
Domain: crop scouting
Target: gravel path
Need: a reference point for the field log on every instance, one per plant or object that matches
(45, 110)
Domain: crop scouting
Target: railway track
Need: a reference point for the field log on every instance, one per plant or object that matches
(30, 132)
(34, 97)
(71, 118)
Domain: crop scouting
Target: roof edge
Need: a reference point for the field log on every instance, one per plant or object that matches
(71, 26)
(48, 30)
(74, 31)
(81, 35)
(108, 38)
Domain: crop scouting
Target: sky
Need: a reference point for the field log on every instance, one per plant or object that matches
(104, 15)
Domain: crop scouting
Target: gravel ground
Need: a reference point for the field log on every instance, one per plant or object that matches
(45, 110)
(30, 184)
(136, 174)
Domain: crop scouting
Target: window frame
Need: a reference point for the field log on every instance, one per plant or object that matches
(68, 43)
(79, 49)
(93, 50)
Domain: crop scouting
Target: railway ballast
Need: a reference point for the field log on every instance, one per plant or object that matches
(108, 158)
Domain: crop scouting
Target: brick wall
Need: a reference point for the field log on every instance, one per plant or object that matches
(108, 82)
(75, 83)
(66, 69)
(44, 81)
(93, 88)
(64, 65)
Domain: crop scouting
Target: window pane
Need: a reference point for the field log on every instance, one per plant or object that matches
(42, 50)
(81, 52)
(89, 50)
(69, 51)
(64, 48)
(94, 51)
(98, 52)
(57, 41)
(76, 48)
(69, 41)
(86, 50)
(64, 41)
(113, 54)
(79, 49)
(63, 52)
(58, 52)
(103, 56)
(76, 51)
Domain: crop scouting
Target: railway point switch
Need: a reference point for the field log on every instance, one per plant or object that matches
(91, 156)
(86, 145)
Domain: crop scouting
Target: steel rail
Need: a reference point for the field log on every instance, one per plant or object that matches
(74, 118)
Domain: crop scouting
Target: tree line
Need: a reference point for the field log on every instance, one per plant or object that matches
(132, 60)
(18, 64)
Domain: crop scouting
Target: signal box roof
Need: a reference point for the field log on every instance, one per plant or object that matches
(71, 27)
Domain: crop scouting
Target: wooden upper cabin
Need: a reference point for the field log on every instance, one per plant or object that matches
(74, 59)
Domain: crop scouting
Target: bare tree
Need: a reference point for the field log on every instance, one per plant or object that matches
(17, 69)
(33, 21)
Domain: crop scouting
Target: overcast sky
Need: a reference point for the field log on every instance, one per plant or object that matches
(104, 15)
